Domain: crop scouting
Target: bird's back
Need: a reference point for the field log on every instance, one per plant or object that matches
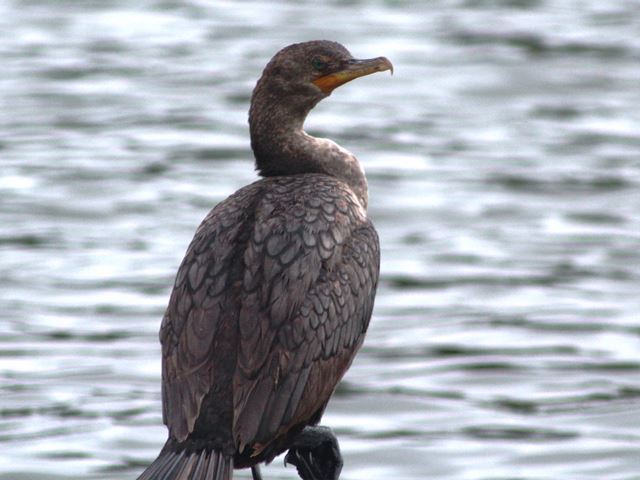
(269, 307)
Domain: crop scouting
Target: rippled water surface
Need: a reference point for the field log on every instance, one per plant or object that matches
(504, 168)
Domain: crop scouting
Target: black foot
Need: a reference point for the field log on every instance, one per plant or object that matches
(316, 454)
(255, 473)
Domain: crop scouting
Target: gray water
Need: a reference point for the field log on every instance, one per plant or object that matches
(504, 166)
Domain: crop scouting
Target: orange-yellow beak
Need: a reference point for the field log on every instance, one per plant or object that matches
(353, 70)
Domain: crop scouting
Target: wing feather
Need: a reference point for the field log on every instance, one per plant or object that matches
(269, 307)
(321, 269)
(198, 309)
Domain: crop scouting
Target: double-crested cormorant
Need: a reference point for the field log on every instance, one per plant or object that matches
(275, 292)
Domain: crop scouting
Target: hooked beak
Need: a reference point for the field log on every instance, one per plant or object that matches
(353, 69)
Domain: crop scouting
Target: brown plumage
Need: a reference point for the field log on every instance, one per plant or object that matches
(275, 292)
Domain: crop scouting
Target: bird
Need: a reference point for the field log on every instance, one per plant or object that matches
(275, 292)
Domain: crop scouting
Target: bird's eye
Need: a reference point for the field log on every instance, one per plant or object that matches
(318, 63)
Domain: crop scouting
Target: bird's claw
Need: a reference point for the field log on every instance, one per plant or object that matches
(316, 454)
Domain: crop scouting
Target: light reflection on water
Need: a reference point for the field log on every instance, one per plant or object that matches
(504, 174)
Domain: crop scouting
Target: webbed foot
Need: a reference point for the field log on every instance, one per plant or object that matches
(316, 454)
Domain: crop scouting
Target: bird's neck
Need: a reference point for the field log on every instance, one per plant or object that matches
(282, 147)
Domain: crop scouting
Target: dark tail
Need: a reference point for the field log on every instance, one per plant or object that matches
(203, 465)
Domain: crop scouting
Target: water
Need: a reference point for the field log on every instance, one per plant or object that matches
(504, 167)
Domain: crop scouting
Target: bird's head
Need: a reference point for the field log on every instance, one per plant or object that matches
(302, 74)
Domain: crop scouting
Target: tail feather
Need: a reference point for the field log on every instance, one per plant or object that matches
(203, 465)
(153, 469)
(200, 469)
